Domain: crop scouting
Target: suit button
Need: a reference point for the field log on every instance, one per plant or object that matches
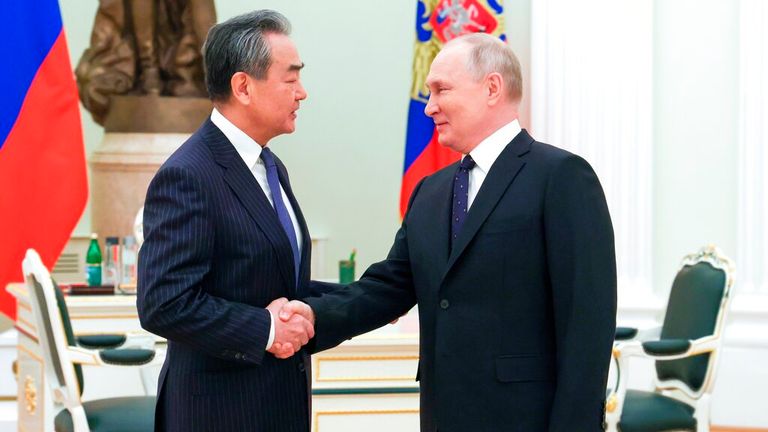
(444, 304)
(301, 367)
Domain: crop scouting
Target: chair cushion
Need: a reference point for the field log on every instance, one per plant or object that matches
(127, 357)
(666, 346)
(652, 412)
(101, 341)
(125, 414)
(624, 333)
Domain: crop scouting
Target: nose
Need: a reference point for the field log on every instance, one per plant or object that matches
(431, 109)
(301, 92)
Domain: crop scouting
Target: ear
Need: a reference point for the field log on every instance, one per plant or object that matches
(241, 89)
(494, 86)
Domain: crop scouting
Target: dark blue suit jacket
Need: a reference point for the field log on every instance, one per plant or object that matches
(214, 256)
(517, 319)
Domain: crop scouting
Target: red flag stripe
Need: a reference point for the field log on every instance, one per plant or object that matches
(430, 160)
(43, 181)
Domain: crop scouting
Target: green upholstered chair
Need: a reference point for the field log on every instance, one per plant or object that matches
(63, 360)
(686, 350)
(114, 349)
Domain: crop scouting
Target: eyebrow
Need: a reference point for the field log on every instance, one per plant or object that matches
(296, 67)
(434, 82)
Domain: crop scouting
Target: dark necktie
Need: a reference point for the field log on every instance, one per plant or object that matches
(282, 213)
(460, 196)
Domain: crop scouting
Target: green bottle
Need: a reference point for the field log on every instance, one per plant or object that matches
(93, 262)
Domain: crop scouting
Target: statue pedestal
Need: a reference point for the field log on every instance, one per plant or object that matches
(140, 133)
(121, 169)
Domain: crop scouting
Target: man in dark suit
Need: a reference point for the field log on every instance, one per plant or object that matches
(225, 238)
(510, 257)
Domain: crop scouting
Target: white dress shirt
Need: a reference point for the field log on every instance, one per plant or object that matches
(250, 151)
(486, 153)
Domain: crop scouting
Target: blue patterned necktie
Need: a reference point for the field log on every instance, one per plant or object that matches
(460, 196)
(282, 213)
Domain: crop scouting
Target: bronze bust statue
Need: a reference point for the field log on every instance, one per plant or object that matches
(144, 47)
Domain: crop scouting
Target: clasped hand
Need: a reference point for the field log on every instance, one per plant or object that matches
(294, 326)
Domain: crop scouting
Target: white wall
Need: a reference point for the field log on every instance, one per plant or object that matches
(695, 130)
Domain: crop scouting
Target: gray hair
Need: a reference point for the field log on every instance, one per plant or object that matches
(239, 45)
(489, 54)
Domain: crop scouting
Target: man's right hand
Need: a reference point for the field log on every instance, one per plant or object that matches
(291, 333)
(297, 308)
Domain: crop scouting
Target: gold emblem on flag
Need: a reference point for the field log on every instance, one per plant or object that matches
(459, 14)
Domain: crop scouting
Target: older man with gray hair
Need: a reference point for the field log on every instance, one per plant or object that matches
(226, 245)
(509, 255)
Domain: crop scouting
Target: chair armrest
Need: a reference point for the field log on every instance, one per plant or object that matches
(625, 333)
(126, 357)
(666, 347)
(84, 356)
(101, 341)
(117, 357)
(111, 341)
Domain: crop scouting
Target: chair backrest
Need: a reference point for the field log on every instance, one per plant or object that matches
(52, 337)
(68, 332)
(697, 305)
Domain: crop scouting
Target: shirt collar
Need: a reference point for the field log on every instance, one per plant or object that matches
(489, 149)
(248, 149)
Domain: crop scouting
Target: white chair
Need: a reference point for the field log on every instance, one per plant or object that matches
(63, 373)
(686, 350)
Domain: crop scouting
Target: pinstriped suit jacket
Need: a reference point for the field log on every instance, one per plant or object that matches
(214, 256)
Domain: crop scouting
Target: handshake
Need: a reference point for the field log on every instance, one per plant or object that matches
(294, 326)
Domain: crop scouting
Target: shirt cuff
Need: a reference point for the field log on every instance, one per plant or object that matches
(271, 331)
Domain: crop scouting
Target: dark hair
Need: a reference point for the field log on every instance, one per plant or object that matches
(239, 45)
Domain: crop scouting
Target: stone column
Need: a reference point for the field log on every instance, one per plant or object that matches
(140, 133)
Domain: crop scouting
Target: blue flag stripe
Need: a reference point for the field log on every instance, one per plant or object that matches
(419, 132)
(28, 29)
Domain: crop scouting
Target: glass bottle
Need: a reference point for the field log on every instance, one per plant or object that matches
(130, 253)
(93, 262)
(111, 275)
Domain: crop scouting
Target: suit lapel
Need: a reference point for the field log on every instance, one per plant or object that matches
(502, 173)
(442, 216)
(251, 196)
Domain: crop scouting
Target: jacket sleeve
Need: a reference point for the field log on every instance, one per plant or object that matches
(384, 292)
(177, 253)
(582, 270)
(317, 288)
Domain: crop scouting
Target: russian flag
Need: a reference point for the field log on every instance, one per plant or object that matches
(43, 180)
(436, 23)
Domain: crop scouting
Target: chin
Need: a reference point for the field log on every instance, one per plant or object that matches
(444, 142)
